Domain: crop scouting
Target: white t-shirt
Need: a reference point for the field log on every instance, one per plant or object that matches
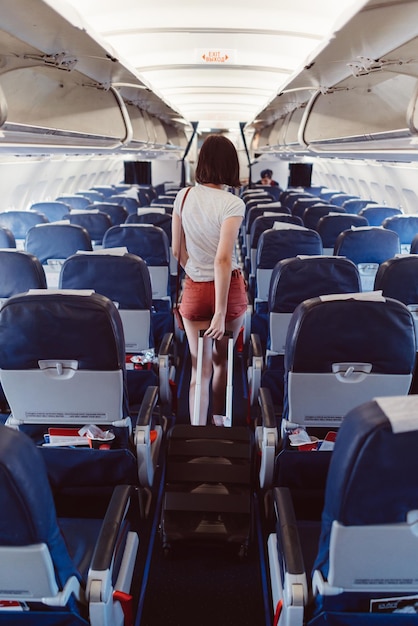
(204, 211)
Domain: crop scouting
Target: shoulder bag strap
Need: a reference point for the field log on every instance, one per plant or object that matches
(178, 260)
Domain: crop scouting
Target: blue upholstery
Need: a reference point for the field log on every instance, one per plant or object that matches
(7, 239)
(370, 246)
(378, 332)
(75, 201)
(367, 245)
(330, 226)
(147, 241)
(376, 213)
(117, 212)
(131, 204)
(293, 281)
(92, 194)
(364, 550)
(313, 214)
(163, 220)
(406, 226)
(77, 550)
(54, 210)
(56, 241)
(19, 272)
(356, 205)
(94, 222)
(398, 278)
(340, 198)
(19, 222)
(301, 204)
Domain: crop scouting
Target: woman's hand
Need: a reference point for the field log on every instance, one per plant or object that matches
(216, 328)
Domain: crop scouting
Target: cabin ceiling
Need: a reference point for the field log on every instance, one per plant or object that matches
(301, 78)
(218, 63)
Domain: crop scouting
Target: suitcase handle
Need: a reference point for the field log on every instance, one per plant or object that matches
(196, 409)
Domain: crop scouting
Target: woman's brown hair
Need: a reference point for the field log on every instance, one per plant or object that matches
(218, 162)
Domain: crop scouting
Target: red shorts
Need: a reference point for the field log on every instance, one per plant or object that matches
(198, 299)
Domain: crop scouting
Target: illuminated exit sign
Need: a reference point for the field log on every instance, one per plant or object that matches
(214, 56)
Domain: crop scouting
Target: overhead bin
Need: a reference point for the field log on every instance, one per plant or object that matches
(358, 91)
(64, 88)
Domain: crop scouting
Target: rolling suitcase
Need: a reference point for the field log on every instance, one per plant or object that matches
(209, 482)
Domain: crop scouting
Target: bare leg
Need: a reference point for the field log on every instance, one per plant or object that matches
(220, 355)
(192, 332)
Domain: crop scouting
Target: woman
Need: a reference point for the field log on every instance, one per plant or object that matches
(203, 238)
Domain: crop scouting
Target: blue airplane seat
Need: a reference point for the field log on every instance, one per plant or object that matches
(367, 247)
(59, 570)
(67, 350)
(414, 245)
(355, 205)
(294, 280)
(130, 203)
(19, 272)
(283, 241)
(124, 279)
(75, 201)
(377, 213)
(117, 212)
(331, 225)
(340, 198)
(342, 350)
(301, 204)
(7, 238)
(259, 225)
(93, 221)
(53, 243)
(153, 246)
(105, 190)
(313, 214)
(20, 222)
(94, 195)
(356, 566)
(406, 226)
(53, 209)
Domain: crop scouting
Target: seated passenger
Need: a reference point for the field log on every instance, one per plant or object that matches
(267, 179)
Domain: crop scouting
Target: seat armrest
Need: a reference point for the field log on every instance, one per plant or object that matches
(148, 437)
(255, 367)
(288, 532)
(164, 369)
(267, 438)
(104, 550)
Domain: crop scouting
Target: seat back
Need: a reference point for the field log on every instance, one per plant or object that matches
(331, 225)
(93, 221)
(367, 247)
(342, 350)
(19, 223)
(66, 349)
(260, 224)
(355, 205)
(313, 214)
(7, 239)
(398, 278)
(130, 203)
(300, 278)
(377, 213)
(53, 209)
(19, 272)
(123, 279)
(35, 562)
(371, 502)
(53, 243)
(152, 245)
(117, 212)
(75, 201)
(406, 226)
(281, 242)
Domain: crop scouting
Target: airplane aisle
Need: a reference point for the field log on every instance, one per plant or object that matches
(206, 584)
